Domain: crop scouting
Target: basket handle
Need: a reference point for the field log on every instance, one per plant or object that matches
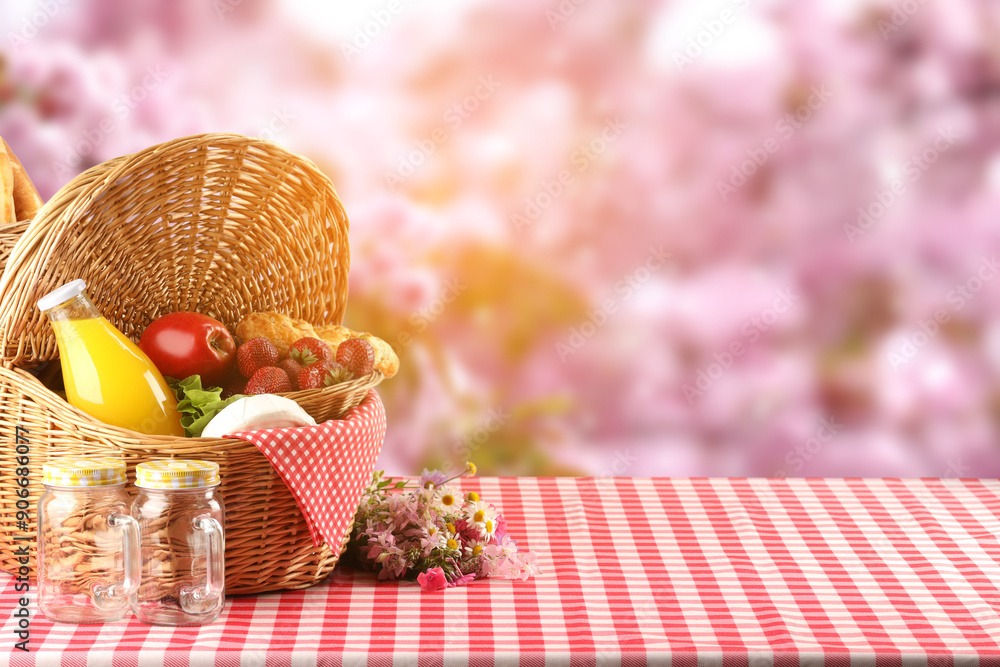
(30, 255)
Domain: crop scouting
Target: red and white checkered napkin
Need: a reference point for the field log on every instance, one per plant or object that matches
(326, 466)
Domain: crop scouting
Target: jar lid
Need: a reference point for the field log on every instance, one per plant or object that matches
(84, 471)
(61, 294)
(177, 474)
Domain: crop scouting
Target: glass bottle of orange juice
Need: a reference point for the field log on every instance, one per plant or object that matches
(107, 375)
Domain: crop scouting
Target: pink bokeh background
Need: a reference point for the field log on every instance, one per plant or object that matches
(635, 237)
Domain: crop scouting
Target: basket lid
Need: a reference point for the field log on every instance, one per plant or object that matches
(219, 224)
(84, 471)
(61, 294)
(177, 474)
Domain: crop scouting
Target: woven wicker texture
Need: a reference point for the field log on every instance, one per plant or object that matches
(219, 224)
(9, 235)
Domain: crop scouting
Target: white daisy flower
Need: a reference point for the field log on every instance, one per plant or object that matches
(483, 517)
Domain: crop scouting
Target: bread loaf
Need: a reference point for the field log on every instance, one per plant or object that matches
(8, 214)
(25, 197)
(277, 328)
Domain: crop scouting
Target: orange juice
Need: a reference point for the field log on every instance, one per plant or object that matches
(107, 375)
(110, 378)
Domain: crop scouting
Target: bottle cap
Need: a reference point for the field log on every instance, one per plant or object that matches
(61, 294)
(81, 471)
(177, 474)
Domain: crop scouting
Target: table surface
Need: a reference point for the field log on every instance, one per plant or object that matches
(682, 571)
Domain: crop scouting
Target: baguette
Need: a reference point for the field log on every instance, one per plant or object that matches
(26, 199)
(8, 215)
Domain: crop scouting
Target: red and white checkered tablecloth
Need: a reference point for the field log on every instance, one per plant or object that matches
(635, 570)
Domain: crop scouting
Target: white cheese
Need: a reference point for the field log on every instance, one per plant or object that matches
(255, 413)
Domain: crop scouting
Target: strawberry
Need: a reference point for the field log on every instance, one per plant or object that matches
(234, 385)
(268, 380)
(255, 354)
(335, 374)
(307, 351)
(311, 376)
(356, 355)
(323, 374)
(292, 368)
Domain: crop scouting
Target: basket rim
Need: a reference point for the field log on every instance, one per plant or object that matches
(366, 383)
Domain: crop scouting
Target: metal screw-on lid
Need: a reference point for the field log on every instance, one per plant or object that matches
(61, 294)
(177, 474)
(84, 471)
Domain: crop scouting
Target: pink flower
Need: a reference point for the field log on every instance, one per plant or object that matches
(501, 529)
(432, 580)
(463, 580)
(527, 562)
(435, 477)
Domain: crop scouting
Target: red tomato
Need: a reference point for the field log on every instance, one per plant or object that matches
(183, 344)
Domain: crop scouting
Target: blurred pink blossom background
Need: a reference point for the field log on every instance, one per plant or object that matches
(629, 238)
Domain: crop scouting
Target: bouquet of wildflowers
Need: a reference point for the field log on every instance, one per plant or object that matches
(430, 532)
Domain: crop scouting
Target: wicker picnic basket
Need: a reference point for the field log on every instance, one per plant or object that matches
(220, 224)
(10, 234)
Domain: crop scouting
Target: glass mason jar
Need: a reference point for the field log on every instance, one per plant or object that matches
(182, 546)
(88, 561)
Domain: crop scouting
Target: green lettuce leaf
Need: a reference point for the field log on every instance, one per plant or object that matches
(198, 406)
